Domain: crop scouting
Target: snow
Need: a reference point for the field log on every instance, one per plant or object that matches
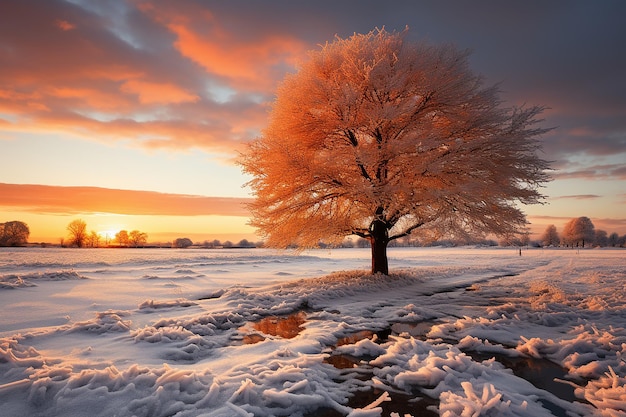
(163, 332)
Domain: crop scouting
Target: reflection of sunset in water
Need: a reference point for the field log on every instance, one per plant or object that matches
(355, 337)
(286, 327)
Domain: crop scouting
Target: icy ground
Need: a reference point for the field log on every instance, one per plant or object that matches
(453, 332)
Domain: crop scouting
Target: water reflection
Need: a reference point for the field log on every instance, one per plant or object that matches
(355, 337)
(286, 327)
(540, 372)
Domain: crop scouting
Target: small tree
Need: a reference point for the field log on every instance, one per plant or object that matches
(182, 242)
(613, 239)
(550, 237)
(93, 240)
(601, 238)
(78, 233)
(137, 238)
(578, 231)
(121, 238)
(378, 137)
(245, 243)
(14, 233)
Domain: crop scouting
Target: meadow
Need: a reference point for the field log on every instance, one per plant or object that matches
(242, 332)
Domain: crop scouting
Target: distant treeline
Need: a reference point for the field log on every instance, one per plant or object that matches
(578, 232)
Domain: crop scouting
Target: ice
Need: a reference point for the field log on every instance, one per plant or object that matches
(608, 393)
(155, 304)
(159, 332)
(107, 321)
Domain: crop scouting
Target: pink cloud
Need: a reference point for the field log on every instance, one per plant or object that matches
(594, 172)
(577, 197)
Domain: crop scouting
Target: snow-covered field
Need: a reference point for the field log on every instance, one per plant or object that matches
(453, 332)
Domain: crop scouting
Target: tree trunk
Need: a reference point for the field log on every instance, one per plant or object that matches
(379, 240)
(379, 257)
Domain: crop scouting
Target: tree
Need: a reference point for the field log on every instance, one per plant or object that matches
(78, 233)
(121, 238)
(550, 237)
(613, 239)
(93, 240)
(137, 238)
(14, 233)
(379, 137)
(182, 242)
(577, 231)
(601, 238)
(245, 243)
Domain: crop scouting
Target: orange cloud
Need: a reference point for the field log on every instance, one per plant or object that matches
(253, 63)
(157, 93)
(105, 84)
(81, 99)
(64, 25)
(69, 200)
(247, 65)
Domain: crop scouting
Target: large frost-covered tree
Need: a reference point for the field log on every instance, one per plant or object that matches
(380, 137)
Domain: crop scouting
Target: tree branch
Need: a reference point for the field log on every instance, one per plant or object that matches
(407, 231)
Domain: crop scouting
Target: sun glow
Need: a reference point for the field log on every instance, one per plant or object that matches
(108, 234)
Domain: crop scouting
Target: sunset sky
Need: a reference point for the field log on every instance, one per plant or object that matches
(129, 114)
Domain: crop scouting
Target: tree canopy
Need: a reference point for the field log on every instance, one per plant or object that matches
(137, 238)
(14, 233)
(77, 230)
(578, 231)
(182, 242)
(380, 137)
(550, 236)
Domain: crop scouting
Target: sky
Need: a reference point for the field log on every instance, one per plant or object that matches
(130, 114)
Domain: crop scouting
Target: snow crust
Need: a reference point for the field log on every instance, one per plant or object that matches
(162, 332)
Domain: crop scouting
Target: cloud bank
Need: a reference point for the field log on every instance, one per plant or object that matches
(44, 199)
(194, 74)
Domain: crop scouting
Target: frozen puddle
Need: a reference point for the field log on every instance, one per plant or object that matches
(286, 327)
(401, 404)
(413, 404)
(542, 373)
